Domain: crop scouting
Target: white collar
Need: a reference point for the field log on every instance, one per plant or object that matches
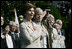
(12, 32)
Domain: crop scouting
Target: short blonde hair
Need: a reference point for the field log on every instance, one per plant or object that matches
(50, 16)
(38, 10)
(56, 25)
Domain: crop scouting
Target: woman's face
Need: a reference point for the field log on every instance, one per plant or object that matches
(51, 21)
(7, 28)
(30, 13)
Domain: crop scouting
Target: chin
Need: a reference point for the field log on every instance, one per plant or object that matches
(38, 20)
(32, 16)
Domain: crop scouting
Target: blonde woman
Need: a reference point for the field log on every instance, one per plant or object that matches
(53, 34)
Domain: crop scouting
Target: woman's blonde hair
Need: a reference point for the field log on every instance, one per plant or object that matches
(56, 25)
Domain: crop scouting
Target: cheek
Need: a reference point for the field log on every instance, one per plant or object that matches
(3, 21)
(13, 28)
(41, 17)
(33, 12)
(28, 12)
(57, 27)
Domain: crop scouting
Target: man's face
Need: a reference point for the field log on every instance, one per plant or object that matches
(2, 21)
(39, 17)
(60, 23)
(13, 27)
(30, 13)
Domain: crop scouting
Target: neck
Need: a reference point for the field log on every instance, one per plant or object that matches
(28, 19)
(37, 21)
(58, 30)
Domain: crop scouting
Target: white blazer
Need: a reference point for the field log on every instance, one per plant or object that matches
(29, 37)
(9, 41)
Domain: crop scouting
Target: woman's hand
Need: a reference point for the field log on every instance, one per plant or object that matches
(55, 36)
(7, 29)
(63, 37)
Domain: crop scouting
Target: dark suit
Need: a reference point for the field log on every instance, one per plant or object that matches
(3, 43)
(16, 40)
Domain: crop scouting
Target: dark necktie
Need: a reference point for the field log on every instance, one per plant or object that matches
(17, 40)
(16, 36)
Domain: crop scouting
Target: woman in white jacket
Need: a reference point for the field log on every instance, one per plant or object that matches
(29, 31)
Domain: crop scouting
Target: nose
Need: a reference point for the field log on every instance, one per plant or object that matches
(32, 12)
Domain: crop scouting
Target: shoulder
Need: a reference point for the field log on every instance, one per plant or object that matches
(34, 24)
(22, 24)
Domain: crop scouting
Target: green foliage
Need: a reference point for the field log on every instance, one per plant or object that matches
(7, 9)
(55, 12)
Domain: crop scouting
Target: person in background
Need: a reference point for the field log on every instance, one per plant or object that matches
(8, 38)
(46, 25)
(53, 33)
(58, 21)
(14, 32)
(21, 19)
(61, 34)
(2, 29)
(39, 14)
(2, 33)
